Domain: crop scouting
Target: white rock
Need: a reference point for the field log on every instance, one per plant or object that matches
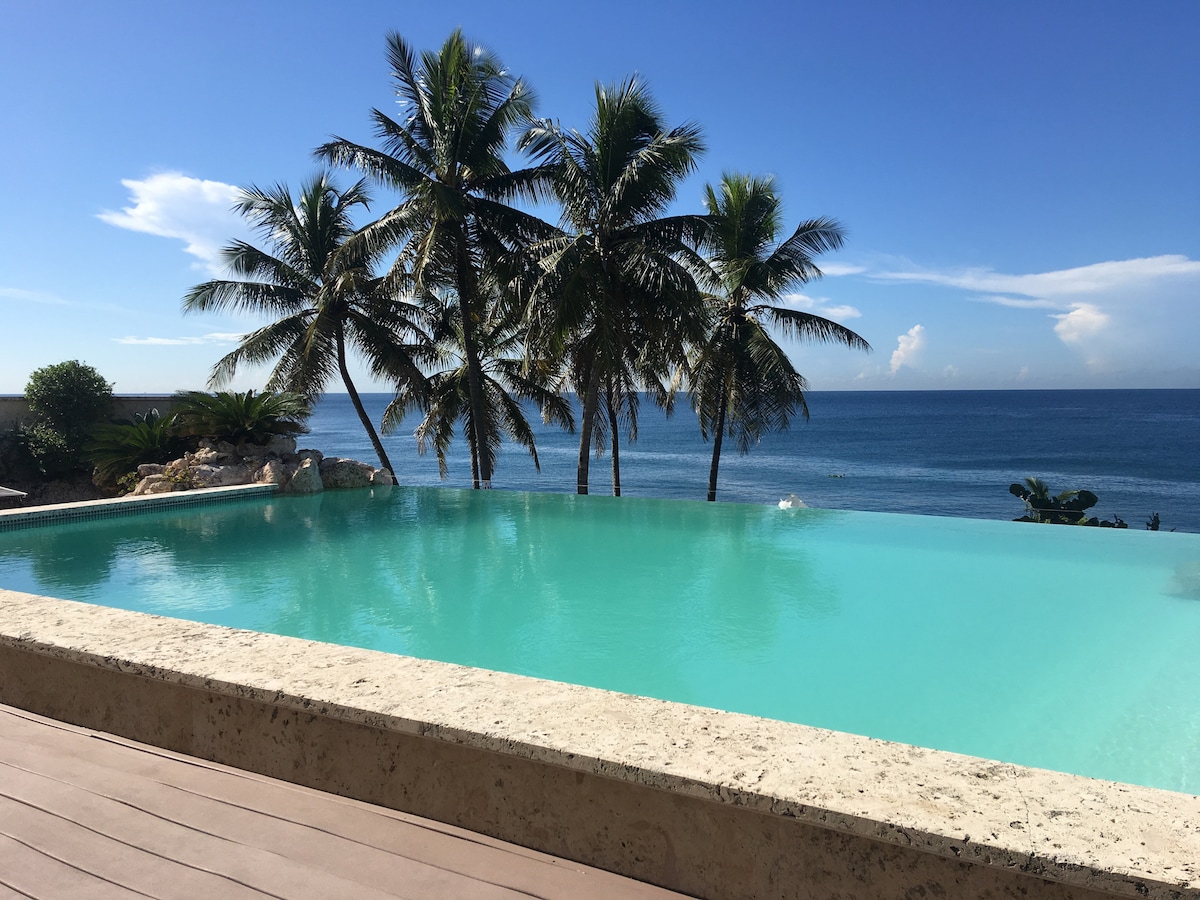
(307, 479)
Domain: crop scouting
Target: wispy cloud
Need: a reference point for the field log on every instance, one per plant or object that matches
(834, 269)
(214, 338)
(172, 205)
(20, 295)
(1111, 313)
(1100, 277)
(820, 306)
(908, 348)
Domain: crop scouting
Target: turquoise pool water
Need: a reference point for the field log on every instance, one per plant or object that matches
(1066, 648)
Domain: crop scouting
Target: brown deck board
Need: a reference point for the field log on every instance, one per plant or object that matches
(83, 813)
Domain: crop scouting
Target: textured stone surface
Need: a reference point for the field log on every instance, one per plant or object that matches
(337, 472)
(221, 476)
(157, 484)
(272, 472)
(307, 478)
(639, 782)
(383, 478)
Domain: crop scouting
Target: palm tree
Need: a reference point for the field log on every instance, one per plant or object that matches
(612, 295)
(742, 382)
(446, 156)
(323, 290)
(508, 379)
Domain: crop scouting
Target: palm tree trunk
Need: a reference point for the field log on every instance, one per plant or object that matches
(718, 436)
(616, 441)
(481, 468)
(358, 407)
(591, 399)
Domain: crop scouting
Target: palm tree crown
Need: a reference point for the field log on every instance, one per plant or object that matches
(446, 157)
(612, 294)
(742, 383)
(320, 287)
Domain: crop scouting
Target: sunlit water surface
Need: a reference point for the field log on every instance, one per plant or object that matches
(1066, 648)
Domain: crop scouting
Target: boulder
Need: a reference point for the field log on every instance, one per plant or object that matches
(223, 449)
(345, 473)
(307, 479)
(279, 445)
(311, 454)
(206, 456)
(221, 476)
(382, 478)
(272, 472)
(150, 469)
(157, 484)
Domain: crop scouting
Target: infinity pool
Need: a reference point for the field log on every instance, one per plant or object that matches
(1064, 648)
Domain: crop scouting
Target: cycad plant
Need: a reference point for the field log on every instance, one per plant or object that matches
(742, 383)
(321, 290)
(613, 296)
(240, 417)
(446, 156)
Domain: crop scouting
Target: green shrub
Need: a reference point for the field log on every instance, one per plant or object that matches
(68, 400)
(233, 417)
(55, 453)
(69, 396)
(17, 464)
(119, 449)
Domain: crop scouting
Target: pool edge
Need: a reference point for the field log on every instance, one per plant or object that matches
(78, 661)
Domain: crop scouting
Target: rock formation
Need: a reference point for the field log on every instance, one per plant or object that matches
(218, 464)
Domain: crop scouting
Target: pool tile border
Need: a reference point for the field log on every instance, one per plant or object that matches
(56, 513)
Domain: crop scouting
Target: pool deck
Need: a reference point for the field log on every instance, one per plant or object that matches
(88, 814)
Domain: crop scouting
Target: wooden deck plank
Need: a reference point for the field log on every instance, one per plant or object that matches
(139, 821)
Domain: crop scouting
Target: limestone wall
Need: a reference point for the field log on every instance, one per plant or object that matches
(15, 409)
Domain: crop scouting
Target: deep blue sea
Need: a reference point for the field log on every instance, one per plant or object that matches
(944, 453)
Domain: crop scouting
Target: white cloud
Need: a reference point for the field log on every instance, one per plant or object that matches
(1082, 322)
(820, 306)
(214, 338)
(908, 348)
(1096, 278)
(173, 205)
(833, 270)
(1115, 315)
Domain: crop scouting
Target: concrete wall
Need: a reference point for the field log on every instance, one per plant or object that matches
(708, 803)
(16, 409)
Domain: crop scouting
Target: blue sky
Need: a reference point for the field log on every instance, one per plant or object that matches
(1019, 181)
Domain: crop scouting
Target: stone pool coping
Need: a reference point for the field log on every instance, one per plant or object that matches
(1097, 836)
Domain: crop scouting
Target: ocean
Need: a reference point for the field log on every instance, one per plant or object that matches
(941, 453)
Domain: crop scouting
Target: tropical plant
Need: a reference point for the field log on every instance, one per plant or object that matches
(240, 417)
(742, 382)
(1064, 508)
(508, 380)
(612, 296)
(68, 400)
(447, 158)
(322, 289)
(119, 448)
